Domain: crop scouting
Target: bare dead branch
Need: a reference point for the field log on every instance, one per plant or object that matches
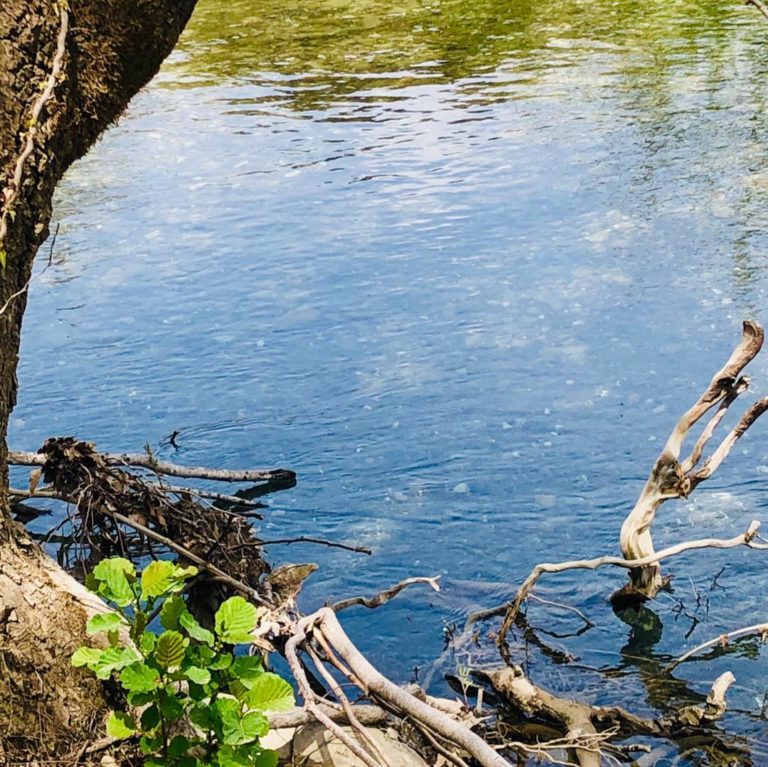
(581, 721)
(713, 462)
(335, 688)
(723, 639)
(325, 620)
(144, 461)
(698, 449)
(759, 5)
(671, 479)
(365, 714)
(235, 500)
(201, 563)
(384, 596)
(746, 538)
(298, 637)
(512, 684)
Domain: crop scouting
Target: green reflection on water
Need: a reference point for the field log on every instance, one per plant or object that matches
(340, 46)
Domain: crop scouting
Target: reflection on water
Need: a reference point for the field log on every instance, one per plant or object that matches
(461, 265)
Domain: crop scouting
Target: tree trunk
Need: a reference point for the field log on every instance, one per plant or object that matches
(66, 72)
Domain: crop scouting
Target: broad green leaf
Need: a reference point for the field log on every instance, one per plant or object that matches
(184, 573)
(120, 725)
(114, 575)
(171, 707)
(237, 688)
(170, 649)
(113, 659)
(139, 624)
(235, 620)
(140, 678)
(201, 714)
(196, 691)
(249, 728)
(150, 745)
(238, 727)
(178, 746)
(107, 567)
(113, 637)
(270, 692)
(195, 630)
(220, 662)
(103, 622)
(266, 759)
(150, 718)
(86, 656)
(173, 608)
(230, 756)
(197, 675)
(157, 578)
(246, 669)
(138, 699)
(148, 642)
(91, 582)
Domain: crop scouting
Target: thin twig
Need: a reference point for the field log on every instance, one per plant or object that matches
(298, 637)
(384, 596)
(235, 500)
(744, 539)
(722, 639)
(21, 291)
(335, 687)
(320, 541)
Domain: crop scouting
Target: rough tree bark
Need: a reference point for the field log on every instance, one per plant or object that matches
(67, 70)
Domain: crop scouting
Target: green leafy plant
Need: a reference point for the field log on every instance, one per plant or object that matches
(199, 703)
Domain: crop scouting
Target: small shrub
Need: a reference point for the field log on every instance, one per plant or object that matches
(184, 674)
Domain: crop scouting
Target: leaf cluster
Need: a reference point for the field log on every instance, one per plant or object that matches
(200, 704)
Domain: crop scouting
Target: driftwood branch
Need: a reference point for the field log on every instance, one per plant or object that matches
(673, 478)
(587, 727)
(746, 538)
(384, 596)
(144, 461)
(299, 636)
(325, 621)
(761, 629)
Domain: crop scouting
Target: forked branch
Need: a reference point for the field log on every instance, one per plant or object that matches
(673, 478)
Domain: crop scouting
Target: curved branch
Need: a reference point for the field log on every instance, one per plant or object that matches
(325, 620)
(384, 596)
(744, 539)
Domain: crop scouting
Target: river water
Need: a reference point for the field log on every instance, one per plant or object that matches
(459, 264)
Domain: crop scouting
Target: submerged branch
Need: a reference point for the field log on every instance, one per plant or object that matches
(746, 538)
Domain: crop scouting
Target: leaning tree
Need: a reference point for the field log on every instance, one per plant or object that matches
(67, 70)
